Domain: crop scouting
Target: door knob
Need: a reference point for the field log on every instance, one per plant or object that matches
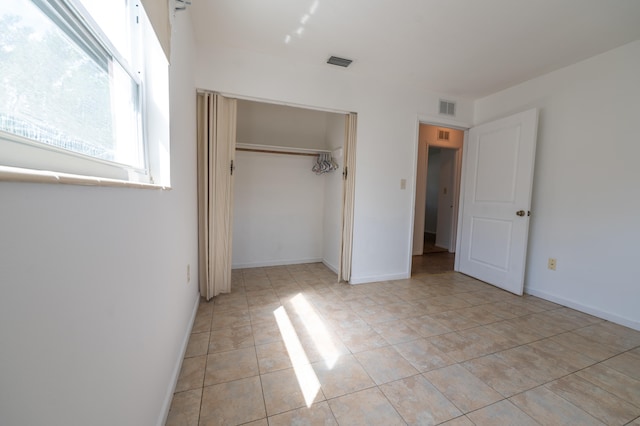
(520, 213)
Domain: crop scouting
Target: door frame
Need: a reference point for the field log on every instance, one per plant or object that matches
(344, 181)
(438, 121)
(456, 260)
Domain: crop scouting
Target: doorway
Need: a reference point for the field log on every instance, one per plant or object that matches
(288, 209)
(437, 193)
(217, 131)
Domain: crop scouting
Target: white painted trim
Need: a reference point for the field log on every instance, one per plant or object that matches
(330, 266)
(379, 278)
(585, 308)
(275, 102)
(438, 120)
(412, 217)
(457, 173)
(465, 142)
(166, 405)
(276, 263)
(17, 174)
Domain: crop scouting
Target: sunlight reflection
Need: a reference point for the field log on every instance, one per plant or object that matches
(303, 21)
(314, 7)
(316, 328)
(307, 379)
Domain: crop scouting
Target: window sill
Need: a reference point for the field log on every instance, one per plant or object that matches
(16, 174)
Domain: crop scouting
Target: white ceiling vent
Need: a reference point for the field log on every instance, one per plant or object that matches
(341, 62)
(447, 107)
(443, 135)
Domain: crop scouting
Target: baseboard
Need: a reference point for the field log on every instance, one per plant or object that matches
(164, 413)
(330, 266)
(378, 278)
(275, 263)
(584, 308)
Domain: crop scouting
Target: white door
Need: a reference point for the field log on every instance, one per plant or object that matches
(496, 199)
(216, 152)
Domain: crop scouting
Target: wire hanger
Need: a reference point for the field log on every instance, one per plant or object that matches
(324, 164)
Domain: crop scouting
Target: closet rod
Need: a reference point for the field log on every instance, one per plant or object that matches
(277, 152)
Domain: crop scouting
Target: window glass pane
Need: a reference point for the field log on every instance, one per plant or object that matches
(54, 92)
(124, 93)
(114, 19)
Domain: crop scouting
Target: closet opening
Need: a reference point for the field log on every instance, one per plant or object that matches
(292, 179)
(437, 194)
(288, 186)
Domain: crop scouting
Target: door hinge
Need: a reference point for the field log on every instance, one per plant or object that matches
(345, 173)
(232, 167)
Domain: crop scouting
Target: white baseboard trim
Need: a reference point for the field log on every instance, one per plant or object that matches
(164, 413)
(277, 262)
(378, 278)
(584, 308)
(330, 266)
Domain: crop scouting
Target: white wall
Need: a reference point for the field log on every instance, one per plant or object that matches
(280, 125)
(283, 212)
(94, 302)
(586, 194)
(278, 210)
(386, 143)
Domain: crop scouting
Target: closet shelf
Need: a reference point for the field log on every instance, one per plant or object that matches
(279, 149)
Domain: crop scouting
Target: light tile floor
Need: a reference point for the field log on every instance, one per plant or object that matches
(291, 346)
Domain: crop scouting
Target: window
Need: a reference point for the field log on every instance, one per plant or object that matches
(73, 78)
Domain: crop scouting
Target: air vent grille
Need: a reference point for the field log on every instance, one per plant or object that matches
(341, 62)
(447, 107)
(443, 135)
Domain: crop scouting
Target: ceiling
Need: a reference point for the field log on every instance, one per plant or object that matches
(463, 48)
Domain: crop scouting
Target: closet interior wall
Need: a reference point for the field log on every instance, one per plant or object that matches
(283, 212)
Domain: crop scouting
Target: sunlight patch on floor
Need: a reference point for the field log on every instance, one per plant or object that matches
(307, 379)
(316, 329)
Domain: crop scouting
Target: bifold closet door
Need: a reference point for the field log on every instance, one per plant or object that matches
(216, 152)
(348, 174)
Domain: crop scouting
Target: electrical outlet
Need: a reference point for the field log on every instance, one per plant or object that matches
(188, 273)
(552, 263)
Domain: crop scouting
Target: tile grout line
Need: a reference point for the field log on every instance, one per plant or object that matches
(343, 298)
